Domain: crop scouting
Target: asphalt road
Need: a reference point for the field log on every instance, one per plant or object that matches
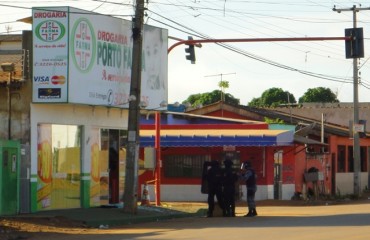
(348, 221)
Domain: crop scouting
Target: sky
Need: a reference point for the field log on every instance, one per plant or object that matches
(250, 68)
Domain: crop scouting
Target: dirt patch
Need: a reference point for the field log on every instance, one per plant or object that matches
(12, 228)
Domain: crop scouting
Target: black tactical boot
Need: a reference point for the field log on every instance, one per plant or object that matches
(232, 214)
(224, 213)
(232, 211)
(254, 212)
(249, 214)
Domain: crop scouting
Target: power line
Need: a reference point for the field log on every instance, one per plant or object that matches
(261, 59)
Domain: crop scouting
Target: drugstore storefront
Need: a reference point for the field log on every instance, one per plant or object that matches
(77, 156)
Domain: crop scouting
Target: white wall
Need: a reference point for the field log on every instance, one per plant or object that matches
(11, 45)
(191, 193)
(288, 191)
(178, 193)
(344, 182)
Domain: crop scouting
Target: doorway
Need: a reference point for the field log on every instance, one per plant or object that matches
(113, 145)
(278, 159)
(277, 181)
(113, 161)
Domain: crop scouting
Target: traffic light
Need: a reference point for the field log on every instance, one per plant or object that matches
(354, 46)
(191, 51)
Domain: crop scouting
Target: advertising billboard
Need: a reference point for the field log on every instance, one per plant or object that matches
(50, 53)
(86, 58)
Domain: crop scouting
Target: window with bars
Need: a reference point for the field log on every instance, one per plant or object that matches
(184, 166)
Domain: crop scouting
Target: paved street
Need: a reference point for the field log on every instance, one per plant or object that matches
(277, 222)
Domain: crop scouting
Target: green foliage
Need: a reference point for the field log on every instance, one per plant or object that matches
(319, 94)
(211, 97)
(273, 97)
(272, 121)
(256, 102)
(223, 84)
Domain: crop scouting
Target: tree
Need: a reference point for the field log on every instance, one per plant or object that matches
(273, 97)
(319, 94)
(223, 85)
(256, 102)
(210, 97)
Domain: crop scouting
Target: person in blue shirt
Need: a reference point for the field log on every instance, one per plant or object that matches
(248, 175)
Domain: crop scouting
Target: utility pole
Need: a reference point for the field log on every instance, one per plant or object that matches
(132, 156)
(290, 109)
(356, 136)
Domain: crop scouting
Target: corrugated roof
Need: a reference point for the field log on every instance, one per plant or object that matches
(227, 119)
(217, 137)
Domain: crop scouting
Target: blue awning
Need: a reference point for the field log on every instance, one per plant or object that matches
(217, 137)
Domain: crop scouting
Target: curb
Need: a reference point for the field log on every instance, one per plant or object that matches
(140, 219)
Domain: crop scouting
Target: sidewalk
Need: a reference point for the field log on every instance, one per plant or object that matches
(109, 223)
(106, 216)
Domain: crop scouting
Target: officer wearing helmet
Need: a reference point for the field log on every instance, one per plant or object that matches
(229, 180)
(248, 175)
(214, 179)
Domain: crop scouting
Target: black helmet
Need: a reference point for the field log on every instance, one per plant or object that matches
(214, 163)
(228, 163)
(246, 165)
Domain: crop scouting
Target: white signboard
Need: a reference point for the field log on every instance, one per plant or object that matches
(50, 52)
(99, 50)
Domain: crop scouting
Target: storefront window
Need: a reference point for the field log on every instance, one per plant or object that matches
(184, 166)
(58, 166)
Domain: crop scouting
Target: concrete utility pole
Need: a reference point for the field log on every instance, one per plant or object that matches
(356, 136)
(132, 156)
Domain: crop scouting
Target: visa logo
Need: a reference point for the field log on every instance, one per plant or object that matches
(41, 79)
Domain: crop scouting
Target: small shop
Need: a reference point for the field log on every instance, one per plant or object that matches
(186, 147)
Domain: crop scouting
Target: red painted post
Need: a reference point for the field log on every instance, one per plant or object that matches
(158, 158)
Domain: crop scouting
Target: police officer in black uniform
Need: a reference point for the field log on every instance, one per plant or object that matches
(249, 176)
(229, 180)
(214, 178)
